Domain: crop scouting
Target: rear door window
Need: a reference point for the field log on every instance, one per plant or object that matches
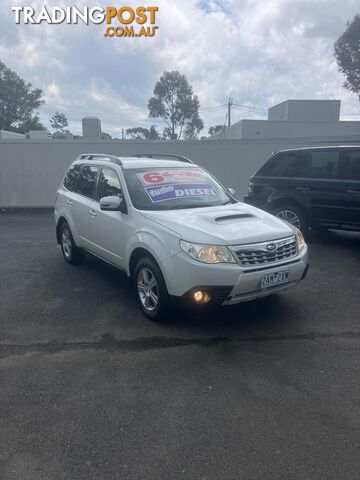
(86, 184)
(286, 164)
(351, 170)
(71, 177)
(325, 164)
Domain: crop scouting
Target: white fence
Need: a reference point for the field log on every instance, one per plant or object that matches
(30, 171)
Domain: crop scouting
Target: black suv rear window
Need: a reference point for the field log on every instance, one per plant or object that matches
(352, 165)
(301, 163)
(324, 164)
(286, 164)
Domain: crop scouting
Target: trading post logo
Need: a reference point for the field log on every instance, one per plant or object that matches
(121, 22)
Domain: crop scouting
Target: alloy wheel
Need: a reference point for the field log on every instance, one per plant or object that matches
(66, 243)
(148, 289)
(289, 216)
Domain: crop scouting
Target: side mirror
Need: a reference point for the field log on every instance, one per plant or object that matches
(232, 191)
(111, 204)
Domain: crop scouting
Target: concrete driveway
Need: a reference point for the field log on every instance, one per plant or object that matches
(90, 389)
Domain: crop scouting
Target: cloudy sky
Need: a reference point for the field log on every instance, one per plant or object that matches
(258, 52)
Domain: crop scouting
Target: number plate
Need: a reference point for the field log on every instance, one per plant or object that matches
(276, 278)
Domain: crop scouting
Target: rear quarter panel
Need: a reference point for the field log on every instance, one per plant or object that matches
(269, 190)
(62, 210)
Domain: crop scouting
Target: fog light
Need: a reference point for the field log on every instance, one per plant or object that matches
(201, 297)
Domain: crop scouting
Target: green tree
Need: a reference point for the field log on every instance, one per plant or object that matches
(141, 133)
(59, 122)
(193, 128)
(215, 129)
(175, 103)
(32, 123)
(106, 136)
(347, 54)
(18, 100)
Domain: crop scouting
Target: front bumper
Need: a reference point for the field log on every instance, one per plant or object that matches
(248, 286)
(228, 284)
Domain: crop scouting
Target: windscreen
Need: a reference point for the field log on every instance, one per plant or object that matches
(174, 188)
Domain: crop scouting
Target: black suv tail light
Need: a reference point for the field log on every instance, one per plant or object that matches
(251, 191)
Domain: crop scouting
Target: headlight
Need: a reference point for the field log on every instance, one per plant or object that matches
(207, 253)
(300, 241)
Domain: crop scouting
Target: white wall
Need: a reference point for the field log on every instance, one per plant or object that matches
(273, 129)
(6, 135)
(31, 171)
(39, 135)
(306, 111)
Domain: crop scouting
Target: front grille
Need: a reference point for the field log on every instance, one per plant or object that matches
(258, 254)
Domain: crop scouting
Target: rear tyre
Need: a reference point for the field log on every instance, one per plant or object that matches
(292, 214)
(150, 290)
(72, 254)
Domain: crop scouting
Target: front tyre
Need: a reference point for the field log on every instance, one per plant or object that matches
(72, 254)
(150, 290)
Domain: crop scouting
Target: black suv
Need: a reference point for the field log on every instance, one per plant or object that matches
(316, 187)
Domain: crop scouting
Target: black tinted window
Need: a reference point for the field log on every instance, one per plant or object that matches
(109, 184)
(286, 164)
(352, 165)
(71, 177)
(86, 181)
(324, 164)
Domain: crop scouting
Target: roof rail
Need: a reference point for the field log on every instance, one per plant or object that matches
(180, 158)
(93, 156)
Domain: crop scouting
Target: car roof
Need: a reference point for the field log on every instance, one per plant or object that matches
(136, 162)
(322, 147)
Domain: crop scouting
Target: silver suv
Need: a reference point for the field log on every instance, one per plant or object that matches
(175, 230)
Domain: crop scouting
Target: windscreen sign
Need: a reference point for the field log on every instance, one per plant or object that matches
(163, 185)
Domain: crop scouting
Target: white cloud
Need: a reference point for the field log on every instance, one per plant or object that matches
(258, 52)
(52, 94)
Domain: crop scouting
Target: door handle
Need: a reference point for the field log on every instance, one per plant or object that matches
(92, 213)
(69, 202)
(357, 192)
(304, 189)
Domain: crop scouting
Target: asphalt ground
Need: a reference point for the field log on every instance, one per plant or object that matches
(90, 389)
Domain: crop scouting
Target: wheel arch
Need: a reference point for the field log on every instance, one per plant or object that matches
(59, 224)
(136, 255)
(291, 202)
(64, 217)
(287, 201)
(151, 244)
